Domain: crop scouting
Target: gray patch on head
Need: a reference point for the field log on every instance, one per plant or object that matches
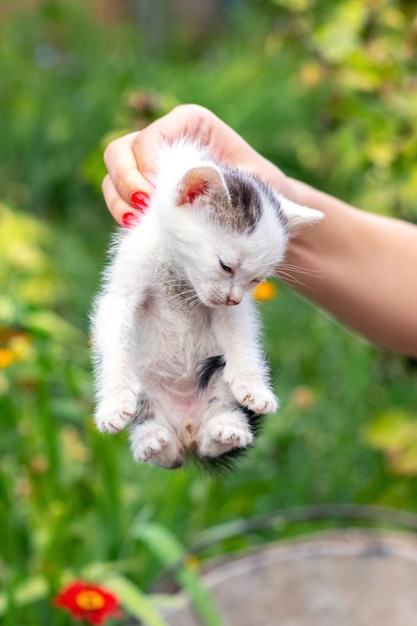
(272, 198)
(242, 209)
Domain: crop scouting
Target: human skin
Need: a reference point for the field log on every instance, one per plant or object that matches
(358, 266)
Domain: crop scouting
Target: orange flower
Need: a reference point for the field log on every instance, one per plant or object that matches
(15, 346)
(89, 602)
(6, 357)
(265, 291)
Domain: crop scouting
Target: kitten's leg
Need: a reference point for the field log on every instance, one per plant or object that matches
(221, 433)
(117, 385)
(245, 371)
(153, 439)
(114, 338)
(224, 425)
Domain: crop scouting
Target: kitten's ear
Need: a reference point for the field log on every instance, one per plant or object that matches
(299, 215)
(199, 181)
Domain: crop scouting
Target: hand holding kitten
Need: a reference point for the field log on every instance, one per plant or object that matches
(131, 160)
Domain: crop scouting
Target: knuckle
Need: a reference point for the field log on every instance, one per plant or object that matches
(105, 183)
(126, 182)
(193, 110)
(109, 152)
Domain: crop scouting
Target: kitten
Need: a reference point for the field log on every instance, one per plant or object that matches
(175, 334)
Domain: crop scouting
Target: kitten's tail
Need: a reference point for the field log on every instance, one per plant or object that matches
(208, 368)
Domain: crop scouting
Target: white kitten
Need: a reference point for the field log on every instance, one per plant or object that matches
(175, 334)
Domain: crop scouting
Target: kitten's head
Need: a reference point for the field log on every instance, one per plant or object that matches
(229, 231)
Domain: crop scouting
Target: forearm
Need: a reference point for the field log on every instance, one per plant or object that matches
(360, 267)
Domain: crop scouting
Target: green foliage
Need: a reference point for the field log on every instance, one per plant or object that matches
(327, 91)
(395, 433)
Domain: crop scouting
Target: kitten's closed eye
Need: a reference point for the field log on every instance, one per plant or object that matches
(225, 267)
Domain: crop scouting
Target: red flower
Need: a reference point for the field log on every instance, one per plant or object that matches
(89, 602)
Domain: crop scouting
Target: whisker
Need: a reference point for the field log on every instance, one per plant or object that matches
(190, 303)
(286, 272)
(288, 278)
(186, 298)
(301, 270)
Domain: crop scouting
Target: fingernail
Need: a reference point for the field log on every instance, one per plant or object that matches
(128, 219)
(140, 200)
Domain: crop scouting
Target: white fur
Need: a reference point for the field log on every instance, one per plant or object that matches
(149, 340)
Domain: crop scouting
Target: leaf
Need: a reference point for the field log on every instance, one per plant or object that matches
(171, 553)
(49, 323)
(34, 589)
(339, 36)
(134, 600)
(395, 434)
(294, 5)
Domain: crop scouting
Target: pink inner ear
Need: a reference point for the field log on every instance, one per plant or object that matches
(197, 182)
(188, 193)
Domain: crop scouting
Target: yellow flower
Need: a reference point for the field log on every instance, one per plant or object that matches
(191, 561)
(311, 74)
(7, 357)
(22, 347)
(265, 291)
(303, 398)
(18, 347)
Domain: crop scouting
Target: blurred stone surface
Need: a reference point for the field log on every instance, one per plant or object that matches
(352, 578)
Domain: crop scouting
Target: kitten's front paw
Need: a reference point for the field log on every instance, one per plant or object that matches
(116, 410)
(254, 395)
(223, 433)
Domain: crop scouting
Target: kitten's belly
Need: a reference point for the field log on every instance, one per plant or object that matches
(173, 344)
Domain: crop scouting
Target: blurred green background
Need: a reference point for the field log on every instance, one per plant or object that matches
(325, 89)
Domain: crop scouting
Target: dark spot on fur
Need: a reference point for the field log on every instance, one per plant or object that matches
(208, 368)
(273, 200)
(243, 211)
(144, 411)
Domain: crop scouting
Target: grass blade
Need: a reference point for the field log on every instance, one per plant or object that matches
(170, 552)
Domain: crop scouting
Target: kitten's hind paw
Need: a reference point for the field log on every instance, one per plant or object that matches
(224, 432)
(151, 445)
(156, 445)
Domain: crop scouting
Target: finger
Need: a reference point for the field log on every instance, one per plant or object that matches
(123, 169)
(188, 120)
(115, 203)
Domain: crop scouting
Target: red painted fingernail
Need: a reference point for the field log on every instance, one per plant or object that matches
(140, 200)
(128, 219)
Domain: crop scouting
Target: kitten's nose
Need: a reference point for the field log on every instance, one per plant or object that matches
(232, 301)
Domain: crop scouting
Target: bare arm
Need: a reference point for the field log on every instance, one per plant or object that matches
(360, 267)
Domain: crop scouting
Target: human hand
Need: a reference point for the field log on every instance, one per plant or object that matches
(131, 160)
